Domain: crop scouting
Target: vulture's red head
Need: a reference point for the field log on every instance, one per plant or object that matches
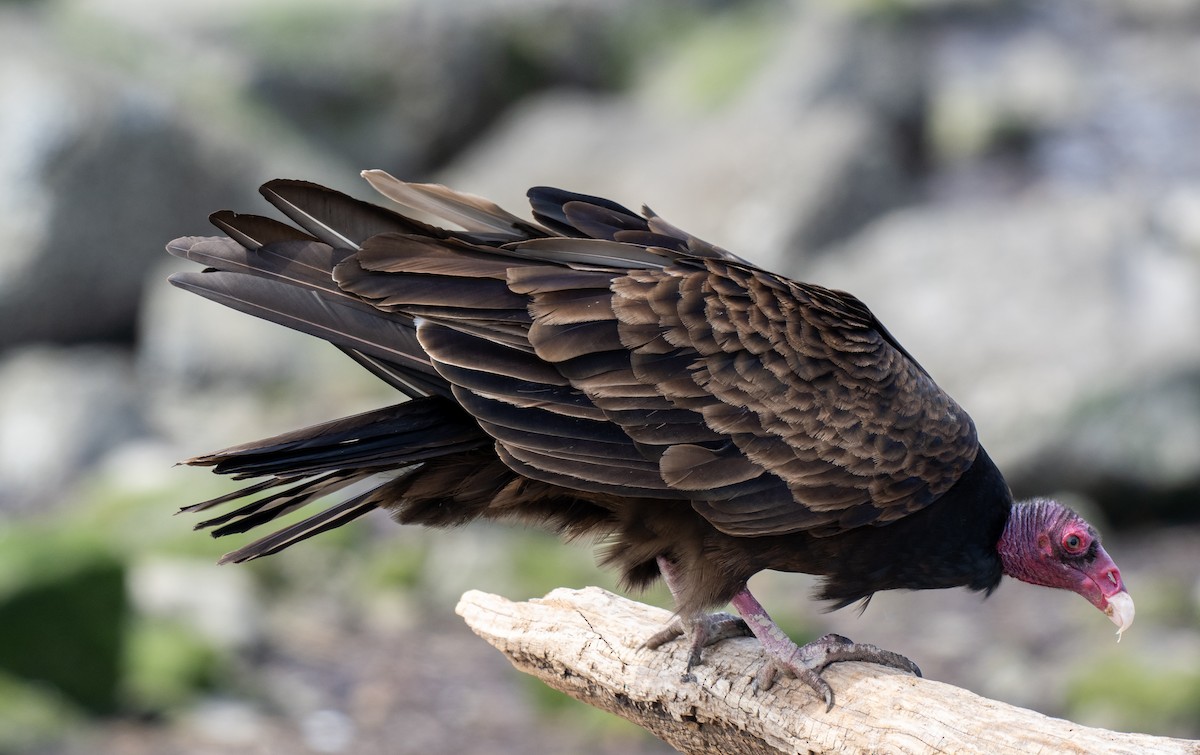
(1045, 543)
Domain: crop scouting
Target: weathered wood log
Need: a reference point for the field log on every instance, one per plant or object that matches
(587, 643)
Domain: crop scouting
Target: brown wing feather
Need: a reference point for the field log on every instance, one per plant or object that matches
(802, 380)
(732, 380)
(629, 360)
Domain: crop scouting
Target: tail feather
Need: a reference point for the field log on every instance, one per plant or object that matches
(305, 263)
(323, 521)
(346, 323)
(249, 490)
(271, 507)
(324, 459)
(414, 428)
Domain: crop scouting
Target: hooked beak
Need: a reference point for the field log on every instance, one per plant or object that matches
(1103, 587)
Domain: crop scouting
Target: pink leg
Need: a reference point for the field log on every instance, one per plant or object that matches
(701, 631)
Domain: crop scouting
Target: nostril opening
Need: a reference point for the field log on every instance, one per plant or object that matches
(1114, 576)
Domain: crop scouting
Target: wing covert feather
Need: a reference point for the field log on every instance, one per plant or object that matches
(804, 384)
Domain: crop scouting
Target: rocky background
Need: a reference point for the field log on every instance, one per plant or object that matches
(1014, 188)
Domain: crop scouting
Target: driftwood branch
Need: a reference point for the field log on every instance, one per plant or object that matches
(587, 643)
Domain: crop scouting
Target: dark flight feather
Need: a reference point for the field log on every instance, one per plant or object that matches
(343, 324)
(254, 231)
(338, 220)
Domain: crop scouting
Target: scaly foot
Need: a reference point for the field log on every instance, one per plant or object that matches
(806, 663)
(701, 631)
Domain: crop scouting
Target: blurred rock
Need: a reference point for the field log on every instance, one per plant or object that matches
(811, 143)
(404, 87)
(61, 410)
(400, 85)
(1177, 217)
(991, 91)
(1135, 451)
(218, 604)
(227, 724)
(1081, 94)
(100, 172)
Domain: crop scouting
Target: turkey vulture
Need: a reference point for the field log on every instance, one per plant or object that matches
(601, 373)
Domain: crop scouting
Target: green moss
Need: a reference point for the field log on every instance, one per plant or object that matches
(167, 664)
(542, 562)
(32, 716)
(395, 568)
(1166, 599)
(795, 626)
(145, 519)
(1126, 695)
(63, 609)
(141, 518)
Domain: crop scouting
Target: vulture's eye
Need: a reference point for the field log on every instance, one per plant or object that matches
(1073, 543)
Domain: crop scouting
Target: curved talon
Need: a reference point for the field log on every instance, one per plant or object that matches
(702, 631)
(773, 668)
(806, 663)
(666, 634)
(879, 656)
(837, 649)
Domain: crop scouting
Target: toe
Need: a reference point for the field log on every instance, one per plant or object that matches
(672, 631)
(773, 668)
